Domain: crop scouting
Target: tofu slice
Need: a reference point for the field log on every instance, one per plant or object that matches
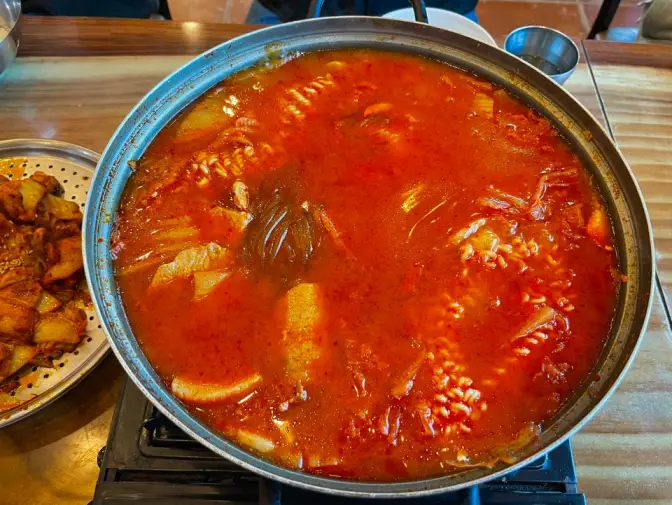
(301, 336)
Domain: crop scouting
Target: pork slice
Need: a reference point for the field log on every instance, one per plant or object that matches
(204, 258)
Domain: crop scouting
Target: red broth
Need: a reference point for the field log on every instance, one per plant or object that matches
(457, 285)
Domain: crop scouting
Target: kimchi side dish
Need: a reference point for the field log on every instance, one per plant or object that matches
(367, 265)
(42, 287)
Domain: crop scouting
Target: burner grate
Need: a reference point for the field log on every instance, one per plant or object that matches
(149, 460)
(161, 432)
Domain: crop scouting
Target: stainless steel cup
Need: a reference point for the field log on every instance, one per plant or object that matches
(551, 51)
(10, 12)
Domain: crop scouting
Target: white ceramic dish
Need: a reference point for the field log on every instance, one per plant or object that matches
(448, 21)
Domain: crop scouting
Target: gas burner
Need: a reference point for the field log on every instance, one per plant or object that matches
(149, 460)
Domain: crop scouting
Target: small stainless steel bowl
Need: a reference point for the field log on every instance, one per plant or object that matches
(10, 14)
(551, 51)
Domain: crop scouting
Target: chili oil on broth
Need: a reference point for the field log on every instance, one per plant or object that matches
(445, 276)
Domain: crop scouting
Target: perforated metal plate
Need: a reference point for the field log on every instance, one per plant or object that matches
(73, 166)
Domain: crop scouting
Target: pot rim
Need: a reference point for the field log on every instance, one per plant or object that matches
(156, 109)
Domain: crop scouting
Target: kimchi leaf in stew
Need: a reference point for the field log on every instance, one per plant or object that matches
(367, 265)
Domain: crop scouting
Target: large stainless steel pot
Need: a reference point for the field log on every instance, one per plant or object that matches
(587, 137)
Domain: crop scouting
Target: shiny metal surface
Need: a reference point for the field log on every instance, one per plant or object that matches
(549, 50)
(73, 166)
(10, 28)
(583, 132)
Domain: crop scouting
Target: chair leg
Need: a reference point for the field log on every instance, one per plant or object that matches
(604, 17)
(164, 10)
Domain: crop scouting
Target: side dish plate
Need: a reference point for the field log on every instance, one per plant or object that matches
(73, 166)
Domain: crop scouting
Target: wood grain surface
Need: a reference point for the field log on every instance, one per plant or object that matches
(624, 455)
(63, 36)
(633, 55)
(582, 87)
(638, 102)
(77, 99)
(50, 458)
(500, 18)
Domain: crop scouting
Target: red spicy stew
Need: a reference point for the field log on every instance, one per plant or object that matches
(367, 265)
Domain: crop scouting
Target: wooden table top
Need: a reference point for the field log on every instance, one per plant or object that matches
(76, 79)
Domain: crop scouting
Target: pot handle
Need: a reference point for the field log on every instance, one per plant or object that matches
(419, 10)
